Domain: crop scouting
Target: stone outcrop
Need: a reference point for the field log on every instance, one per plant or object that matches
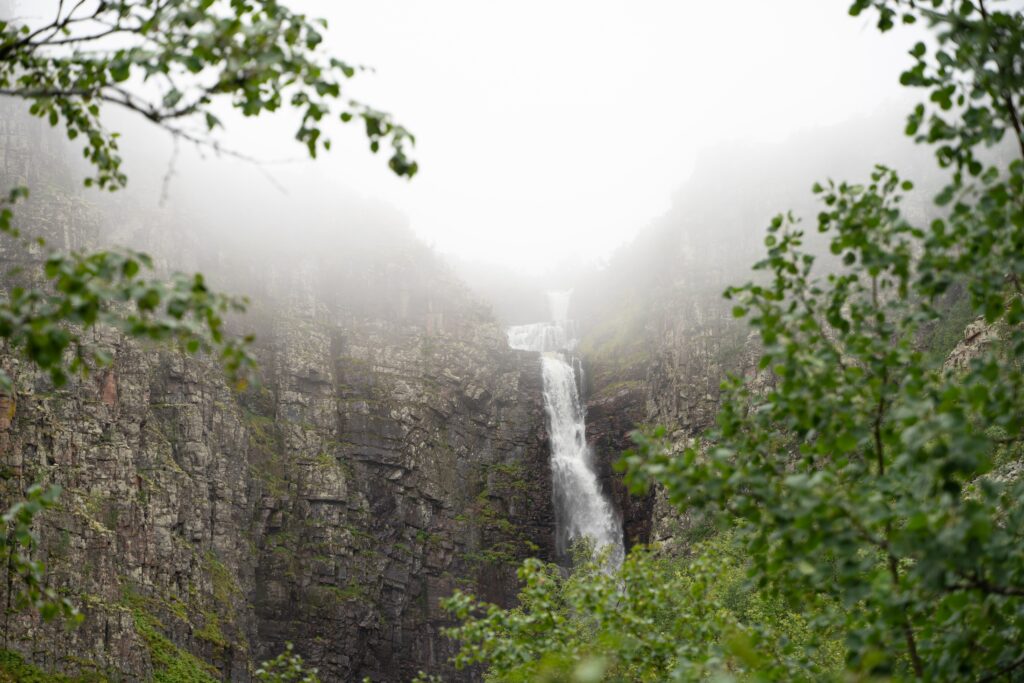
(414, 455)
(666, 369)
(394, 450)
(657, 334)
(977, 337)
(611, 416)
(380, 464)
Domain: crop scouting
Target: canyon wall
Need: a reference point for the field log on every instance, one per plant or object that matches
(393, 450)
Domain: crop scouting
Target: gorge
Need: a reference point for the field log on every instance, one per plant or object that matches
(409, 433)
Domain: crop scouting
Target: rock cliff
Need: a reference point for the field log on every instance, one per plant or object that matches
(658, 336)
(394, 450)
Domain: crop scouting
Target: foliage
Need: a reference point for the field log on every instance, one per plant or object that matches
(17, 542)
(14, 669)
(859, 468)
(655, 619)
(170, 62)
(422, 677)
(170, 663)
(974, 76)
(287, 667)
(104, 289)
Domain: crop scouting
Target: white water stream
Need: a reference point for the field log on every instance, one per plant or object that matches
(581, 510)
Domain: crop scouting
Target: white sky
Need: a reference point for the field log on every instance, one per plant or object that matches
(548, 130)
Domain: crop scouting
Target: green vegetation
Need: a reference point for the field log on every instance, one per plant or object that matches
(211, 631)
(325, 460)
(872, 508)
(171, 664)
(16, 542)
(258, 56)
(865, 475)
(860, 519)
(507, 478)
(502, 543)
(655, 619)
(940, 337)
(287, 667)
(352, 591)
(14, 669)
(225, 587)
(428, 540)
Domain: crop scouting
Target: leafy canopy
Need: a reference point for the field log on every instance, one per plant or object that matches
(287, 667)
(17, 539)
(657, 618)
(170, 61)
(868, 470)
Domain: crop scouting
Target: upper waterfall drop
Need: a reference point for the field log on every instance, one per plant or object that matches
(558, 335)
(581, 509)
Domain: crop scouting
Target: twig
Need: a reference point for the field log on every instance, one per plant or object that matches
(1011, 108)
(1016, 664)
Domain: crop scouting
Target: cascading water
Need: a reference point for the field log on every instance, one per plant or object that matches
(581, 509)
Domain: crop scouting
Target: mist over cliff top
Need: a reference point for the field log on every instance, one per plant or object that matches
(554, 142)
(547, 135)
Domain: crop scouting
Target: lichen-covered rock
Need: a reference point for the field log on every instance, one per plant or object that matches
(978, 336)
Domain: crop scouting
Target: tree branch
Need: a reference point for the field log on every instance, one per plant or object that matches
(1011, 108)
(53, 27)
(974, 582)
(1016, 664)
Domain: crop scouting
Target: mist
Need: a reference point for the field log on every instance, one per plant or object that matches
(548, 136)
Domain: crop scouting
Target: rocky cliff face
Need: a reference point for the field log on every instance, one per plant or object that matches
(611, 416)
(410, 459)
(394, 450)
(658, 336)
(367, 478)
(665, 370)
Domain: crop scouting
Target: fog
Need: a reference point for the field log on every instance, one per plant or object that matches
(548, 133)
(569, 144)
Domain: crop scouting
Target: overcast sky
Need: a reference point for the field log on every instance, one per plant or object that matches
(557, 129)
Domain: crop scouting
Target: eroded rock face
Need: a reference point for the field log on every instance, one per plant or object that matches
(418, 465)
(153, 523)
(668, 373)
(378, 467)
(611, 415)
(658, 358)
(978, 336)
(394, 450)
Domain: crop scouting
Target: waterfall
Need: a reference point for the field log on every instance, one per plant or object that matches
(581, 510)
